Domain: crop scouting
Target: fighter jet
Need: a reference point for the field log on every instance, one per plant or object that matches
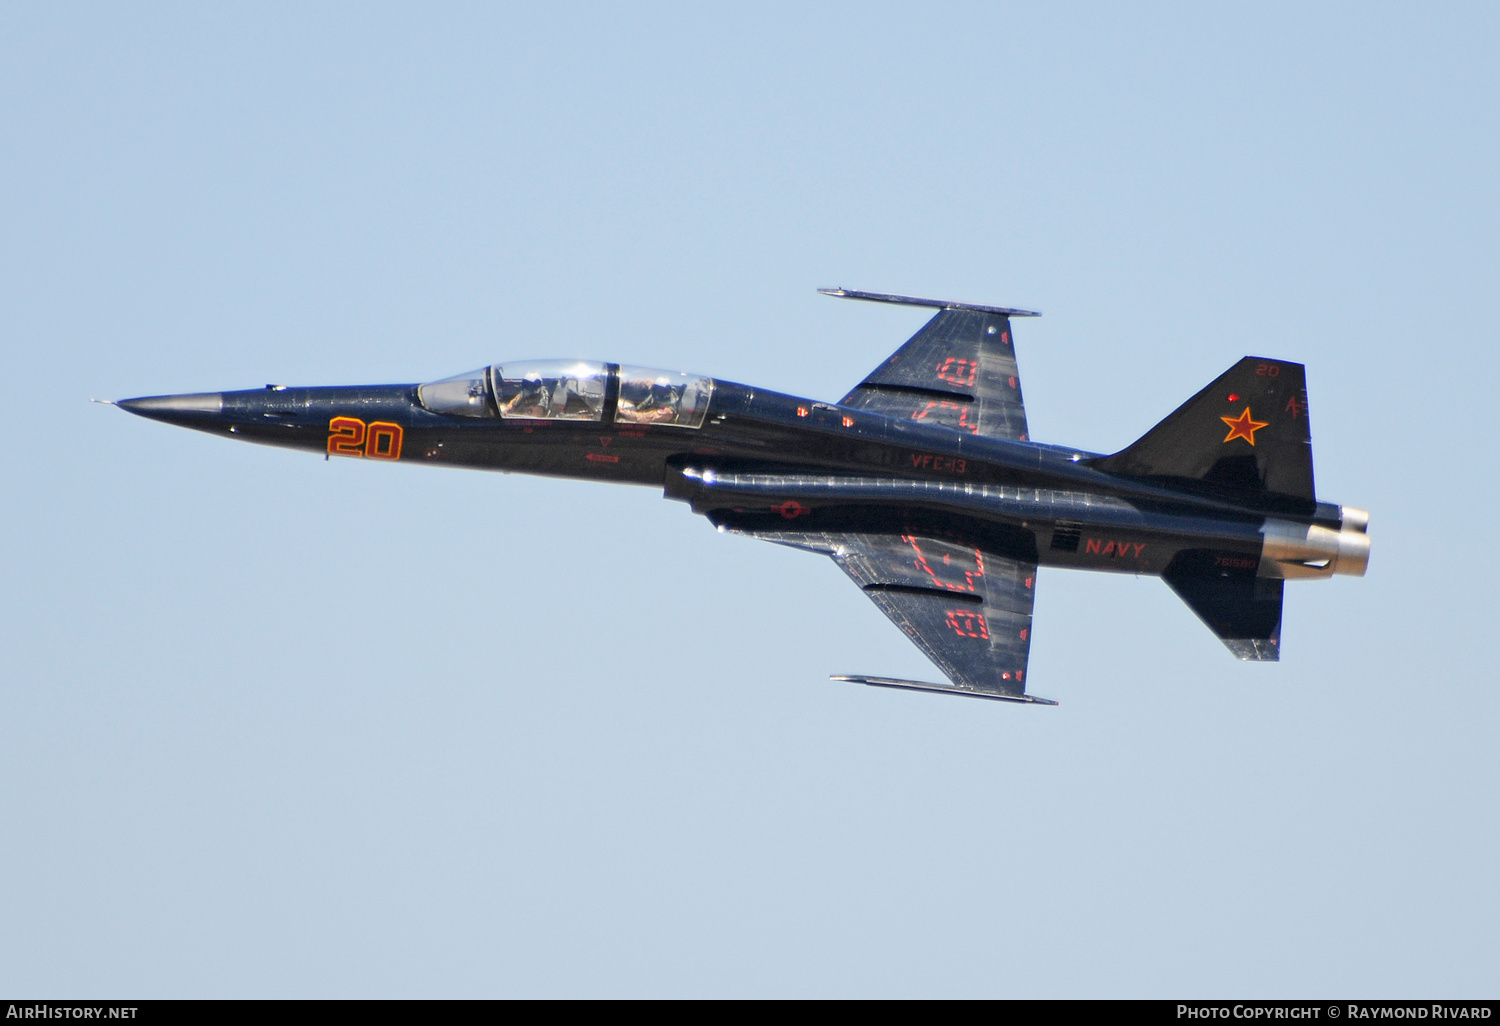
(922, 484)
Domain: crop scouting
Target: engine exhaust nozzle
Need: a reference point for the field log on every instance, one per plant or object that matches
(1306, 550)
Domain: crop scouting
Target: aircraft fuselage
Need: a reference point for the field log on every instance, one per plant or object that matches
(762, 459)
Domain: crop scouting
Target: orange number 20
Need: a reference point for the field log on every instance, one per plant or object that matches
(350, 436)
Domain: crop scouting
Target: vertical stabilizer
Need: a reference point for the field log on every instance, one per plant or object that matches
(1246, 433)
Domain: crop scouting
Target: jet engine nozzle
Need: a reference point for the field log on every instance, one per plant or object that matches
(1307, 550)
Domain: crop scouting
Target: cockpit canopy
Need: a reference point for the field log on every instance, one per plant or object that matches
(581, 390)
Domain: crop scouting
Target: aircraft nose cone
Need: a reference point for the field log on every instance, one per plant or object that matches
(177, 409)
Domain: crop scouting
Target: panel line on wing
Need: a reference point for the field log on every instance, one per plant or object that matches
(941, 393)
(912, 589)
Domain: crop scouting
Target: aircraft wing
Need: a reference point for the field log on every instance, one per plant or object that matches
(959, 371)
(966, 607)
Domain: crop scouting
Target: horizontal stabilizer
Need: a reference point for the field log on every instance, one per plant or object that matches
(941, 304)
(1242, 609)
(947, 689)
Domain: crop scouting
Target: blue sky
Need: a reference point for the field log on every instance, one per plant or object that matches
(275, 726)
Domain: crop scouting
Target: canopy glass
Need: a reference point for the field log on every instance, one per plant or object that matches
(578, 390)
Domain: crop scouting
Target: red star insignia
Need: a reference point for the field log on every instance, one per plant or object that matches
(1243, 427)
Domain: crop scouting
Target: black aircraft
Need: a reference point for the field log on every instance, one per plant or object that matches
(922, 483)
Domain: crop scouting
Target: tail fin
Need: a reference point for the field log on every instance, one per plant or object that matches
(1246, 435)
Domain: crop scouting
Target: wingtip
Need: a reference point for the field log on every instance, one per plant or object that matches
(938, 304)
(940, 689)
